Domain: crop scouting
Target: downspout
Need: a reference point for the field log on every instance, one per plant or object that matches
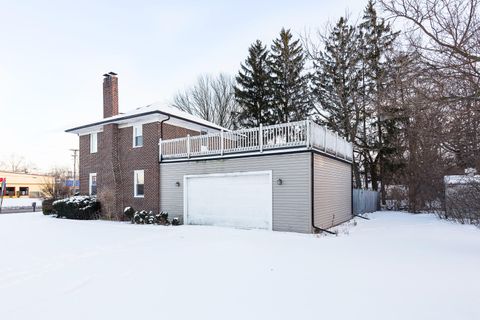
(161, 126)
(312, 195)
(161, 137)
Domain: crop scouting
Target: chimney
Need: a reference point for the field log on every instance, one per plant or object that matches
(110, 95)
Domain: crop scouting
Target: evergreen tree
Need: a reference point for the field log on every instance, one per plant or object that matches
(289, 81)
(336, 84)
(336, 80)
(252, 91)
(380, 121)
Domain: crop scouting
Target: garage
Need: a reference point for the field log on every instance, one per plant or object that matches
(238, 199)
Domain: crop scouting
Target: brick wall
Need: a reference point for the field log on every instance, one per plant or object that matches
(115, 163)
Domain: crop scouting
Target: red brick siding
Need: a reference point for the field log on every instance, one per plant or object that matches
(172, 132)
(125, 160)
(110, 96)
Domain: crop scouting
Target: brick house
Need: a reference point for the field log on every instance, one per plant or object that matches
(118, 157)
(288, 177)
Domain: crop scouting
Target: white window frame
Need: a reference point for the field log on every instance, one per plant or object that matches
(94, 174)
(137, 128)
(93, 146)
(135, 182)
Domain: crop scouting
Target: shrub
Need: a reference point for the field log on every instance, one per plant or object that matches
(77, 207)
(175, 221)
(144, 217)
(129, 212)
(47, 206)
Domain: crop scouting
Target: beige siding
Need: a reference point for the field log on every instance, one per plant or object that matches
(332, 191)
(291, 200)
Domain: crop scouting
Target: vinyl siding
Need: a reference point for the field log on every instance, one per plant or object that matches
(332, 184)
(291, 200)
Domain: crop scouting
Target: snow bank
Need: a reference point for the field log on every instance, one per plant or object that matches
(395, 266)
(20, 202)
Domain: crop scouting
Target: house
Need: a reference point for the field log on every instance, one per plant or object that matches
(24, 185)
(287, 177)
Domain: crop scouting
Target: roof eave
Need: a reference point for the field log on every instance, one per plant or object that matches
(126, 117)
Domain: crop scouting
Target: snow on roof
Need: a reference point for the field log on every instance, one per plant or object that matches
(152, 109)
(461, 179)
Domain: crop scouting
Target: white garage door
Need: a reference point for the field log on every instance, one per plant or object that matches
(242, 199)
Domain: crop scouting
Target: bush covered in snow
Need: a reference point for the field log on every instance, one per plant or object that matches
(128, 212)
(144, 217)
(175, 221)
(47, 206)
(77, 207)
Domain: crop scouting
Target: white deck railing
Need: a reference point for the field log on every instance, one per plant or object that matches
(306, 134)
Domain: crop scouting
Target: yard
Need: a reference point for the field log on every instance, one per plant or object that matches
(395, 266)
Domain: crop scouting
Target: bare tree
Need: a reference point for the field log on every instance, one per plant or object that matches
(446, 36)
(56, 188)
(210, 98)
(16, 163)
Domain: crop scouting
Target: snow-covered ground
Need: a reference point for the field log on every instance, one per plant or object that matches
(20, 202)
(395, 266)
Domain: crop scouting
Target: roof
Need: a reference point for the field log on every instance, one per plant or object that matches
(461, 179)
(151, 111)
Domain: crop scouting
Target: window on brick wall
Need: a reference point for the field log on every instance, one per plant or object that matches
(137, 136)
(138, 183)
(93, 142)
(92, 184)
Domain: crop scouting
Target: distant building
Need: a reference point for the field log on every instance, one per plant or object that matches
(462, 193)
(25, 185)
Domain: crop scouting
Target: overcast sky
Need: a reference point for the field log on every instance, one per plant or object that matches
(53, 55)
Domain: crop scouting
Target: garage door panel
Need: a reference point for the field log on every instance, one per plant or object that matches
(241, 200)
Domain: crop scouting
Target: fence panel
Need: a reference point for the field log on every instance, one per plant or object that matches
(365, 201)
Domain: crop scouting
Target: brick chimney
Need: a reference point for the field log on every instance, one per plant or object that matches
(110, 95)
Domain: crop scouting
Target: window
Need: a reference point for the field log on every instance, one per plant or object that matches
(92, 184)
(10, 191)
(137, 136)
(93, 142)
(138, 183)
(24, 191)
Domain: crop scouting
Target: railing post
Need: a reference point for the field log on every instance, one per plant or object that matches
(336, 144)
(221, 142)
(188, 146)
(260, 137)
(308, 138)
(325, 138)
(160, 150)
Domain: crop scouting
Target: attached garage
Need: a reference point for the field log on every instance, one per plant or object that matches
(238, 199)
(289, 177)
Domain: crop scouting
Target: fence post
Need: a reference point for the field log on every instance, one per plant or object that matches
(221, 142)
(260, 137)
(308, 133)
(160, 150)
(188, 146)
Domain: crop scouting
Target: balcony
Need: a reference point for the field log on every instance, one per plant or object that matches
(306, 135)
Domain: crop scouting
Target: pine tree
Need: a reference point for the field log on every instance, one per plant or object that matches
(252, 91)
(336, 84)
(289, 81)
(336, 80)
(380, 121)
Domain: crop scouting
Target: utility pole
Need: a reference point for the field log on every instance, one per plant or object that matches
(74, 156)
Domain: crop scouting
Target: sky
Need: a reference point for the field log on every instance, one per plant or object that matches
(53, 55)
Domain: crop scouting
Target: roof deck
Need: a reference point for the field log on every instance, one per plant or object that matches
(301, 135)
